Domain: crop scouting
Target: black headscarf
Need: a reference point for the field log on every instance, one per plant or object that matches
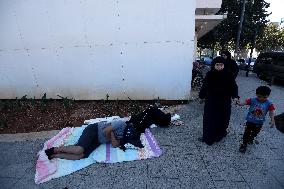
(217, 60)
(227, 53)
(218, 83)
(230, 65)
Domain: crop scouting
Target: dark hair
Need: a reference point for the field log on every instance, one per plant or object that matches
(217, 60)
(263, 90)
(227, 53)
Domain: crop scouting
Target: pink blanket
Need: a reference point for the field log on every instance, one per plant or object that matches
(49, 169)
(45, 167)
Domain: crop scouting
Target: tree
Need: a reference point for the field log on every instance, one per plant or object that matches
(272, 39)
(224, 35)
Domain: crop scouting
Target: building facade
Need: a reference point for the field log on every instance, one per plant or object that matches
(91, 49)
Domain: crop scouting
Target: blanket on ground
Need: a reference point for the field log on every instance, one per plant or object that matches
(105, 153)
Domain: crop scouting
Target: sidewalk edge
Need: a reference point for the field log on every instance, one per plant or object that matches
(27, 136)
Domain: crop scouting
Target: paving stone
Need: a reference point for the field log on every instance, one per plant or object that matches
(220, 184)
(7, 183)
(17, 153)
(262, 179)
(278, 175)
(15, 170)
(198, 179)
(163, 183)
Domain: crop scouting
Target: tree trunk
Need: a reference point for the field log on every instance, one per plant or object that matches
(251, 50)
(240, 29)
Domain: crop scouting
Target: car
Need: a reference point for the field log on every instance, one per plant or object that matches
(206, 60)
(241, 63)
(244, 63)
(270, 65)
(250, 63)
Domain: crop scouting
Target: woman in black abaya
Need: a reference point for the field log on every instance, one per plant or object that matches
(218, 89)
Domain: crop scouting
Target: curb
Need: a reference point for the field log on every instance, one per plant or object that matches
(20, 137)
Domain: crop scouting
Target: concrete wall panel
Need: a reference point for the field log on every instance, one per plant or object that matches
(92, 48)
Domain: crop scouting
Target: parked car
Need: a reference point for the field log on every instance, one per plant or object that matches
(251, 64)
(270, 65)
(244, 63)
(204, 60)
(241, 63)
(207, 60)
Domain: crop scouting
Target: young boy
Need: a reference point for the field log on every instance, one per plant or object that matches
(259, 106)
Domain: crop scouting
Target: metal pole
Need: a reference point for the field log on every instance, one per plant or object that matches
(240, 28)
(252, 45)
(251, 50)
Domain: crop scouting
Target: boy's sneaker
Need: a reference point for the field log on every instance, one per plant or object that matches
(243, 148)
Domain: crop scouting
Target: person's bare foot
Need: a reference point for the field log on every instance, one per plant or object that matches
(49, 152)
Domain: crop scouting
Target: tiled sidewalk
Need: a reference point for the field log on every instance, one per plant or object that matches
(185, 163)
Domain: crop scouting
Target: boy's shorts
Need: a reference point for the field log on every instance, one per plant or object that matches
(89, 139)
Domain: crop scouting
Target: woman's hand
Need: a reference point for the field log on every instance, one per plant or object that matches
(272, 123)
(236, 101)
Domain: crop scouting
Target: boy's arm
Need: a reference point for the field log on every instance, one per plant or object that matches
(272, 121)
(241, 103)
(246, 102)
(271, 109)
(107, 131)
(114, 142)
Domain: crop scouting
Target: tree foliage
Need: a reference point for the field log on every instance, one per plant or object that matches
(272, 39)
(224, 35)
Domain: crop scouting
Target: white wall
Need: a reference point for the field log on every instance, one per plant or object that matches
(208, 3)
(141, 49)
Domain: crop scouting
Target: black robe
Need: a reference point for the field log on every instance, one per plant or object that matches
(217, 90)
(232, 67)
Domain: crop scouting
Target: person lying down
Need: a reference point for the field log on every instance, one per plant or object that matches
(117, 132)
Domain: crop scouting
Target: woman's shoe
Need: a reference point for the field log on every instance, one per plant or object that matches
(243, 148)
(250, 141)
(200, 139)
